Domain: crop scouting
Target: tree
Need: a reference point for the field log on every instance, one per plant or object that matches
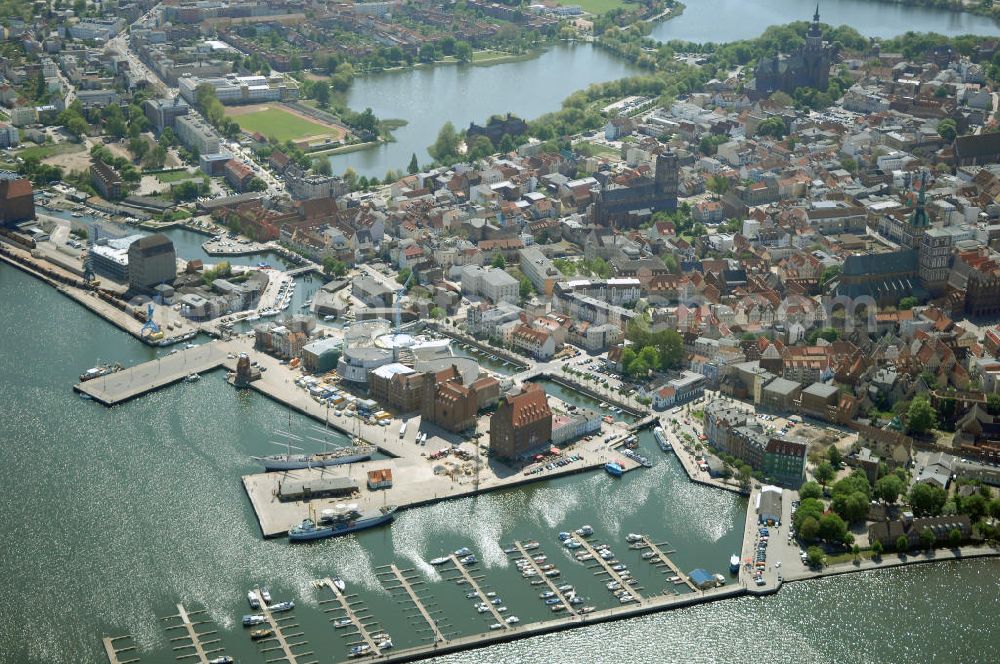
(955, 537)
(404, 275)
(498, 260)
(927, 499)
(877, 548)
(908, 302)
(638, 369)
(718, 185)
(814, 556)
(414, 167)
(650, 356)
(446, 146)
(321, 93)
(921, 415)
(832, 528)
(810, 490)
(834, 456)
(670, 262)
(809, 529)
(927, 538)
(851, 506)
(463, 51)
(902, 544)
(526, 288)
(824, 473)
(947, 130)
(437, 313)
(888, 488)
(334, 267)
(773, 126)
(993, 404)
(975, 506)
(856, 551)
(322, 166)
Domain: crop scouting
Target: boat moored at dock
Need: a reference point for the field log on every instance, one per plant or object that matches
(661, 438)
(344, 455)
(341, 520)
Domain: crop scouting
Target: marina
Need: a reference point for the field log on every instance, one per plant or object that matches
(407, 581)
(282, 644)
(467, 578)
(608, 569)
(361, 624)
(659, 555)
(202, 649)
(529, 556)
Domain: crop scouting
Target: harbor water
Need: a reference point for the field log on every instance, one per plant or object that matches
(115, 515)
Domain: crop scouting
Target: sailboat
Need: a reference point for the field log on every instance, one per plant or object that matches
(330, 456)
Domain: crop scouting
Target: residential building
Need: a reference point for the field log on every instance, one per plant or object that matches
(780, 395)
(196, 134)
(570, 426)
(9, 136)
(539, 344)
(397, 386)
(107, 181)
(321, 356)
(163, 113)
(17, 200)
(494, 284)
(785, 462)
(539, 270)
(238, 175)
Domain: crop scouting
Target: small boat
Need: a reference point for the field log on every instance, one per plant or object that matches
(491, 594)
(221, 659)
(537, 582)
(192, 377)
(604, 405)
(558, 607)
(512, 620)
(734, 564)
(189, 345)
(566, 588)
(339, 583)
(572, 544)
(440, 561)
(547, 594)
(469, 560)
(633, 537)
(259, 634)
(510, 549)
(587, 609)
(496, 626)
(464, 551)
(646, 555)
(530, 545)
(281, 606)
(553, 600)
(471, 595)
(661, 438)
(265, 592)
(254, 619)
(584, 531)
(253, 599)
(482, 608)
(585, 555)
(360, 650)
(614, 469)
(342, 622)
(552, 573)
(384, 644)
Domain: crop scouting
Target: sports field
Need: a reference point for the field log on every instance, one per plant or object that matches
(282, 123)
(594, 6)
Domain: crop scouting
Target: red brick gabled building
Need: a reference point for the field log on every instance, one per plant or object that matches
(521, 423)
(17, 201)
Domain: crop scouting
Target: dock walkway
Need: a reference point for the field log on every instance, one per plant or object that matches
(406, 585)
(135, 381)
(350, 613)
(279, 635)
(541, 575)
(479, 591)
(668, 562)
(112, 652)
(202, 651)
(607, 568)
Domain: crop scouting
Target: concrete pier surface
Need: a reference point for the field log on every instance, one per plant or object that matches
(142, 378)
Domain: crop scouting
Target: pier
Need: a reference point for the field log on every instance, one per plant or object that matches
(112, 651)
(282, 639)
(407, 585)
(662, 557)
(135, 381)
(356, 620)
(471, 580)
(195, 638)
(607, 569)
(541, 575)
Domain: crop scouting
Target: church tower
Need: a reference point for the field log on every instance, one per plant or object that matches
(816, 56)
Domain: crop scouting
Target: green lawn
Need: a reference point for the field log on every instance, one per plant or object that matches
(50, 150)
(282, 125)
(594, 6)
(175, 176)
(595, 149)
